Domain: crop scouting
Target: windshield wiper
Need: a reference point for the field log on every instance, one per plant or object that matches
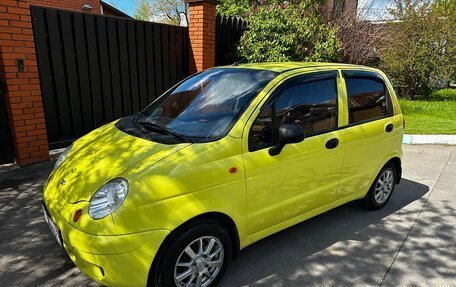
(159, 127)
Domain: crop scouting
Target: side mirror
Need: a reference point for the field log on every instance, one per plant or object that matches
(288, 134)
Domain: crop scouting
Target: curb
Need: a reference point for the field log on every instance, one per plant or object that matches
(429, 139)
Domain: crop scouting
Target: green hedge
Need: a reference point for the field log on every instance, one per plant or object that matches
(446, 95)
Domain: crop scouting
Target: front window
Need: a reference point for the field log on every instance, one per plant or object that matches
(205, 106)
(308, 101)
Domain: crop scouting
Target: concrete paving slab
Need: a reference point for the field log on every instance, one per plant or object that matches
(428, 255)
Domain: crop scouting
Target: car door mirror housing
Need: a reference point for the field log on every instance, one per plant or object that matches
(287, 134)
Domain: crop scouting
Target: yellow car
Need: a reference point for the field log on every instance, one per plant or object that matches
(223, 159)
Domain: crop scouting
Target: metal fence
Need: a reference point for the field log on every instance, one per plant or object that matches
(228, 34)
(94, 69)
(6, 144)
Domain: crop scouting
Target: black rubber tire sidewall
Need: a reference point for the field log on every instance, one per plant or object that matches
(369, 200)
(164, 276)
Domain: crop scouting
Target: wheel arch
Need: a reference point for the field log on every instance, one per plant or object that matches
(396, 161)
(221, 218)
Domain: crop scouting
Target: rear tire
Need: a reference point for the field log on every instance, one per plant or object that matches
(199, 254)
(381, 189)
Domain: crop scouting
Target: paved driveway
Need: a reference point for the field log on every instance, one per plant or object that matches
(411, 242)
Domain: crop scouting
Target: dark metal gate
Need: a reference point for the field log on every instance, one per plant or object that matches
(6, 144)
(94, 69)
(229, 30)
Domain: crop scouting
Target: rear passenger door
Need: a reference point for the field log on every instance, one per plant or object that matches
(368, 133)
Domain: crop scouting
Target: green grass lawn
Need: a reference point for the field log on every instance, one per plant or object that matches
(436, 117)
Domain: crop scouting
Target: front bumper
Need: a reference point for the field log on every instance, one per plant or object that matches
(111, 260)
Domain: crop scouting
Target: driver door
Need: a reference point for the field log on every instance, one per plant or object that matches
(305, 175)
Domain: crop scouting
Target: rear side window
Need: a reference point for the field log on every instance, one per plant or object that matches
(367, 97)
(308, 101)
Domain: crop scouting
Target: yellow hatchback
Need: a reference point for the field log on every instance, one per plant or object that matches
(223, 159)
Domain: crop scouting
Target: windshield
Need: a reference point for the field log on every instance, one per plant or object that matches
(205, 106)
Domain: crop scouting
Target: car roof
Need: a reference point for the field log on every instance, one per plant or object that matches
(286, 66)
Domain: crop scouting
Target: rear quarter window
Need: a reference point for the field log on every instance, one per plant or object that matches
(367, 96)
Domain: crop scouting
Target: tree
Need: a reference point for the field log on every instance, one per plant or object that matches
(234, 7)
(421, 54)
(240, 7)
(143, 10)
(360, 37)
(164, 11)
(283, 31)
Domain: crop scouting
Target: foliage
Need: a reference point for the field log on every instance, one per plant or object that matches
(423, 117)
(420, 55)
(143, 10)
(172, 12)
(234, 7)
(283, 31)
(241, 8)
(448, 95)
(360, 37)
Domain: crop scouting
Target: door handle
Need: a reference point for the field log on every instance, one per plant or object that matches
(389, 128)
(332, 143)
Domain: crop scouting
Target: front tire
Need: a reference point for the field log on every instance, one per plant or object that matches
(382, 188)
(197, 256)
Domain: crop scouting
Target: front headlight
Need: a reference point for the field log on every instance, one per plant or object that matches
(62, 157)
(108, 198)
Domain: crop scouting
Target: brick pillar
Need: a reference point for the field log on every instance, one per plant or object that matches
(22, 86)
(201, 26)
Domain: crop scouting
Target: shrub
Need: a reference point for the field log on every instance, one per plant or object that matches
(420, 55)
(447, 95)
(233, 7)
(283, 31)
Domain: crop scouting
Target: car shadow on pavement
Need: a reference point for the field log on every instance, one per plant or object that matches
(334, 247)
(341, 247)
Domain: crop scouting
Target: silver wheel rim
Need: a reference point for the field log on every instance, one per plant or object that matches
(199, 263)
(384, 186)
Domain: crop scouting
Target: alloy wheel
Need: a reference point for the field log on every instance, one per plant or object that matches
(384, 186)
(199, 263)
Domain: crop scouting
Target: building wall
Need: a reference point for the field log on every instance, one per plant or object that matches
(107, 10)
(75, 5)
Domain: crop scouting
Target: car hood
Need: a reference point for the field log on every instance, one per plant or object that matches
(102, 155)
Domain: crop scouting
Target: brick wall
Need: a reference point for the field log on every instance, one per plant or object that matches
(75, 5)
(202, 21)
(22, 88)
(23, 95)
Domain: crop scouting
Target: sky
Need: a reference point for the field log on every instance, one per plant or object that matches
(126, 6)
(377, 7)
